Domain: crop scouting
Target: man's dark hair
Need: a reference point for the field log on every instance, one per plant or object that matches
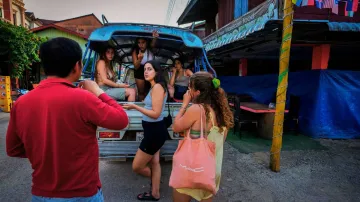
(59, 56)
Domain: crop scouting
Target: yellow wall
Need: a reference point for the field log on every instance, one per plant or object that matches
(52, 33)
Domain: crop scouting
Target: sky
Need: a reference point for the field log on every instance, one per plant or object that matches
(139, 11)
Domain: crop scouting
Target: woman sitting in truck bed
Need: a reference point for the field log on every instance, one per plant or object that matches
(105, 77)
(179, 80)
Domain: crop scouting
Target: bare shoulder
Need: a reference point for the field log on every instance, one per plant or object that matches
(189, 72)
(195, 108)
(158, 88)
(101, 62)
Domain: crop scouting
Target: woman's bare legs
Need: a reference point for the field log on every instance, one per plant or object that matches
(155, 175)
(146, 172)
(140, 84)
(130, 93)
(140, 166)
(178, 197)
(140, 163)
(208, 200)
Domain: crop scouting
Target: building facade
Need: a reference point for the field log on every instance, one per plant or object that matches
(83, 25)
(198, 29)
(31, 21)
(243, 43)
(78, 28)
(247, 34)
(13, 11)
(53, 31)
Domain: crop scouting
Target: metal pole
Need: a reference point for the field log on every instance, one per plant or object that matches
(208, 63)
(94, 66)
(87, 61)
(86, 50)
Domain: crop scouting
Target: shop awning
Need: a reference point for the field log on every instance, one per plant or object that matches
(198, 10)
(344, 26)
(257, 22)
(243, 26)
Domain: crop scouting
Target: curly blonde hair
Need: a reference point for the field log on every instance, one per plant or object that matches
(212, 97)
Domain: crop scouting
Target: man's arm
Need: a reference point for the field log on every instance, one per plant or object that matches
(104, 111)
(14, 145)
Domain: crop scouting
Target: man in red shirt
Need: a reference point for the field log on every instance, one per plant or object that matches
(54, 126)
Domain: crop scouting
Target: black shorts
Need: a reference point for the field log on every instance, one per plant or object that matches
(155, 135)
(139, 73)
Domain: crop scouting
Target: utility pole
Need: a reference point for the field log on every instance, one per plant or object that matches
(282, 86)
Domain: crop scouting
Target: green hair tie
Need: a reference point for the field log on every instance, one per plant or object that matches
(216, 83)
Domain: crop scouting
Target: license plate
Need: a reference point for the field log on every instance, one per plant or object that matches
(139, 136)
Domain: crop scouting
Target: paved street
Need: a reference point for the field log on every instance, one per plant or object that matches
(119, 182)
(329, 175)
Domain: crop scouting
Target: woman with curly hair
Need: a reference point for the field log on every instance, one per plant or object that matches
(209, 100)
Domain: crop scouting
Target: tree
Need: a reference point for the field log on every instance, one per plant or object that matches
(21, 46)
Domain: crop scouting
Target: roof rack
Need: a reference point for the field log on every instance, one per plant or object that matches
(104, 19)
(106, 23)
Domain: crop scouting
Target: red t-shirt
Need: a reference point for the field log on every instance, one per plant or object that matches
(54, 126)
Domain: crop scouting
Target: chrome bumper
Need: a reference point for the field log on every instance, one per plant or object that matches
(127, 149)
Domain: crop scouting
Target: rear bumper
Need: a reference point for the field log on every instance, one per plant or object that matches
(127, 149)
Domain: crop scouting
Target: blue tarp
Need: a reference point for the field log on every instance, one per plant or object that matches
(329, 99)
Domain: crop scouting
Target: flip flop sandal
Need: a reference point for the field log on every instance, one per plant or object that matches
(147, 197)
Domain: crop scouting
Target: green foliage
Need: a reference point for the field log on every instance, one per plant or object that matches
(89, 65)
(21, 46)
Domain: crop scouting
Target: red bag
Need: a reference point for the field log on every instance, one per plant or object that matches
(194, 164)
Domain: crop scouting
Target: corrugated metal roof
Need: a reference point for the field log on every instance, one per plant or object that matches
(251, 22)
(231, 37)
(198, 10)
(344, 26)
